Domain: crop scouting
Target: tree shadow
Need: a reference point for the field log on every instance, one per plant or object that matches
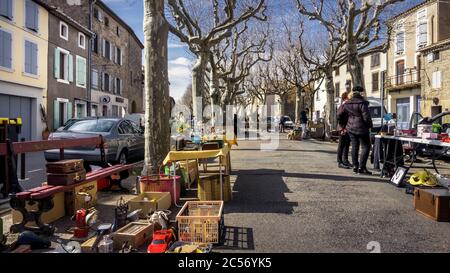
(260, 191)
(237, 238)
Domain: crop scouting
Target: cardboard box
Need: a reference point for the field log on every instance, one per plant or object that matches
(76, 199)
(51, 216)
(150, 202)
(136, 234)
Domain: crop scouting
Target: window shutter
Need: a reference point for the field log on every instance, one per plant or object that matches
(34, 59)
(28, 14)
(5, 50)
(103, 48)
(9, 9)
(81, 70)
(27, 57)
(36, 17)
(57, 64)
(111, 84)
(69, 111)
(112, 52)
(56, 121)
(70, 70)
(2, 49)
(121, 87)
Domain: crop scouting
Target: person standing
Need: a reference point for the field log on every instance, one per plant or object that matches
(344, 138)
(282, 121)
(304, 123)
(358, 125)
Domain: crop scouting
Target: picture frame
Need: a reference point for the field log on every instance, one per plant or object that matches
(399, 176)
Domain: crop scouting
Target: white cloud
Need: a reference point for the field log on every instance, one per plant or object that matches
(181, 61)
(172, 45)
(180, 75)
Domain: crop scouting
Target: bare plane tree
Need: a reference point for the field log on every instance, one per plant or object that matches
(190, 27)
(157, 97)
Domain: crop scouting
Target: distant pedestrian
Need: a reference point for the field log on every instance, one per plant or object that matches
(359, 123)
(304, 123)
(282, 124)
(344, 138)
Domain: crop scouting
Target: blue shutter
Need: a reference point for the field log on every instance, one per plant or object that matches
(28, 14)
(57, 63)
(9, 10)
(56, 121)
(70, 68)
(34, 59)
(36, 17)
(6, 8)
(27, 57)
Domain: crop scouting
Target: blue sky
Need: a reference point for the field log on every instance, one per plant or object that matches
(180, 60)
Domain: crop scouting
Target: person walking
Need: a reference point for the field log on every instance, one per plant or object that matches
(344, 138)
(358, 125)
(304, 123)
(281, 125)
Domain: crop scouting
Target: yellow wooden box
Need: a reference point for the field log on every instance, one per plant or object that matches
(136, 234)
(76, 199)
(150, 202)
(192, 165)
(51, 216)
(209, 188)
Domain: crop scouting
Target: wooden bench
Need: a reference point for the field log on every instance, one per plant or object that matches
(43, 197)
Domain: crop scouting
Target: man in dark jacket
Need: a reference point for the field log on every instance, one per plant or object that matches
(344, 138)
(359, 123)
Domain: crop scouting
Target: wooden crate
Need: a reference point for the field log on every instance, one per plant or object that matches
(209, 188)
(201, 222)
(193, 171)
(75, 201)
(51, 216)
(155, 201)
(136, 234)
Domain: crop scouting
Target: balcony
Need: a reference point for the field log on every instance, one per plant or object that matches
(408, 80)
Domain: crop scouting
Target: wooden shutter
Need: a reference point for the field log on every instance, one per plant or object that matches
(56, 110)
(56, 65)
(70, 70)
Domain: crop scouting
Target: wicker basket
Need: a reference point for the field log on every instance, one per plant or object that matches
(201, 222)
(209, 188)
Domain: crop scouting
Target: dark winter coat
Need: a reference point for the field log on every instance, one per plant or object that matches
(355, 116)
(303, 117)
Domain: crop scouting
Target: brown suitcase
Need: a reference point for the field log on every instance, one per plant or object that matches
(433, 203)
(66, 179)
(65, 166)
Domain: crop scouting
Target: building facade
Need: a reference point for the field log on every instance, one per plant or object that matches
(116, 58)
(68, 54)
(419, 27)
(24, 38)
(436, 79)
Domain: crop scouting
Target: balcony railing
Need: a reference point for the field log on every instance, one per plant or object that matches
(402, 81)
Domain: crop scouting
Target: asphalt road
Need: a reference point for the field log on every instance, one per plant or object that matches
(295, 199)
(35, 170)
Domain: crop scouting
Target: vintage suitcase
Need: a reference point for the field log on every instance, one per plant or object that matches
(65, 166)
(54, 179)
(433, 203)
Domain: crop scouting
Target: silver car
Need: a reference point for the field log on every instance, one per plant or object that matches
(124, 140)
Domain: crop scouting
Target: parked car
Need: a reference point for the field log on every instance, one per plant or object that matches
(124, 140)
(288, 123)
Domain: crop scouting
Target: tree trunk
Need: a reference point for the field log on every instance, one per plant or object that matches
(157, 97)
(356, 70)
(299, 104)
(198, 84)
(331, 104)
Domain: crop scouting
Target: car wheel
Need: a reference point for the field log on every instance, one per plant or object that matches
(123, 158)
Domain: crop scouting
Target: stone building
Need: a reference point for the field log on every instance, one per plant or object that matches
(436, 78)
(68, 54)
(116, 58)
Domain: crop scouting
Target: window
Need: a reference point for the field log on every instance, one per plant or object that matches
(81, 72)
(106, 82)
(337, 89)
(131, 78)
(81, 40)
(94, 79)
(5, 49)
(31, 58)
(400, 38)
(115, 111)
(375, 82)
(434, 56)
(95, 44)
(336, 71)
(118, 31)
(31, 16)
(106, 20)
(6, 9)
(64, 31)
(118, 56)
(437, 82)
(118, 86)
(348, 85)
(106, 49)
(63, 66)
(375, 60)
(422, 29)
(98, 15)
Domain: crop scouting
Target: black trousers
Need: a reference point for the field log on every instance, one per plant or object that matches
(343, 149)
(357, 142)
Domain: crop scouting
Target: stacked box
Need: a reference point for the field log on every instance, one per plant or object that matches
(209, 188)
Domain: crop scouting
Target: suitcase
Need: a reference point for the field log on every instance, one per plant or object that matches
(433, 203)
(65, 166)
(66, 179)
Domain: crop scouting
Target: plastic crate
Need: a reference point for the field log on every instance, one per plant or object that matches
(201, 222)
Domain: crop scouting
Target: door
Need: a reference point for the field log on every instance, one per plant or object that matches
(403, 113)
(400, 68)
(105, 111)
(17, 107)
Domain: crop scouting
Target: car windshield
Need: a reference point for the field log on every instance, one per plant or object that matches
(92, 126)
(158, 242)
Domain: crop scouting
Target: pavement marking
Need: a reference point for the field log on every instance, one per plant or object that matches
(35, 171)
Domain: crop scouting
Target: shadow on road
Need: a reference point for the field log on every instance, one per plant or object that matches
(260, 191)
(237, 238)
(287, 150)
(339, 178)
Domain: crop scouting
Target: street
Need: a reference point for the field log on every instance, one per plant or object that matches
(295, 199)
(35, 170)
